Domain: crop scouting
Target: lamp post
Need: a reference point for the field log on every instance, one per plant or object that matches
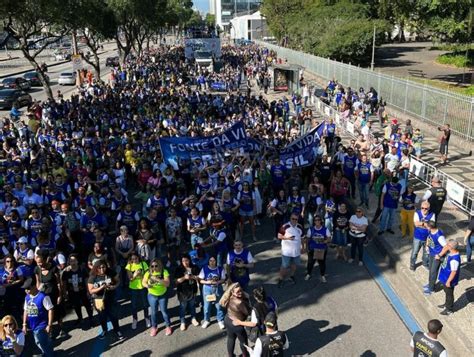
(372, 64)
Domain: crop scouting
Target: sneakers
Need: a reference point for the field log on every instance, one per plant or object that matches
(447, 312)
(120, 335)
(426, 286)
(153, 331)
(427, 292)
(147, 322)
(442, 306)
(361, 264)
(293, 279)
(195, 322)
(390, 231)
(412, 268)
(307, 277)
(205, 324)
(182, 327)
(323, 279)
(134, 324)
(350, 261)
(168, 331)
(102, 335)
(62, 334)
(221, 325)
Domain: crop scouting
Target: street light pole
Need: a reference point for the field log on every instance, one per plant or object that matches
(372, 64)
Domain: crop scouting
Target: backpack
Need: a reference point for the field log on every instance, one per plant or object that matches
(272, 345)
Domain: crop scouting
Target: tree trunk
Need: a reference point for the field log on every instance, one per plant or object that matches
(37, 68)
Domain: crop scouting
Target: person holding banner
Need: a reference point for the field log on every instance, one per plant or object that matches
(247, 209)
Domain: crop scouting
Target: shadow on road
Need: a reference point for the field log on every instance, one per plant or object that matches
(310, 336)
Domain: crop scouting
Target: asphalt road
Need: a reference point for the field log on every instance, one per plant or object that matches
(38, 93)
(348, 316)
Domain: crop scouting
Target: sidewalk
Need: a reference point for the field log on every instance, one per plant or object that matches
(408, 284)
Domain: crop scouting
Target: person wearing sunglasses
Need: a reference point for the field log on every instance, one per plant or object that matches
(316, 242)
(101, 285)
(11, 278)
(358, 224)
(12, 339)
(157, 281)
(290, 235)
(420, 219)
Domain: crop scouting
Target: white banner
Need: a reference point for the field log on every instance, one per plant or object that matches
(455, 191)
(202, 44)
(350, 127)
(416, 167)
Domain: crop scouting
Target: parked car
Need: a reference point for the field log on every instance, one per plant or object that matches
(62, 55)
(67, 78)
(34, 79)
(8, 97)
(112, 61)
(16, 83)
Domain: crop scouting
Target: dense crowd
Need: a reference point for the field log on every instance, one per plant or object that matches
(91, 213)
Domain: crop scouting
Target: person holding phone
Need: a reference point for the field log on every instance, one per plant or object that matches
(157, 281)
(136, 268)
(290, 234)
(12, 339)
(187, 287)
(101, 284)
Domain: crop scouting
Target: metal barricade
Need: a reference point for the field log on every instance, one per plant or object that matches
(459, 194)
(421, 101)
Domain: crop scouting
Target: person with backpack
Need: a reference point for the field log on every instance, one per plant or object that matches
(273, 342)
(262, 306)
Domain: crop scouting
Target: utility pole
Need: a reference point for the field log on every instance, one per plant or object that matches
(372, 64)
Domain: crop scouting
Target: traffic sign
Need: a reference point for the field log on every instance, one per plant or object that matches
(76, 62)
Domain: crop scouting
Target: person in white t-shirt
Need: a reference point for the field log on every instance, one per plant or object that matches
(290, 234)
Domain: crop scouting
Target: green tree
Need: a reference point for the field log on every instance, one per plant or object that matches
(210, 20)
(95, 22)
(35, 25)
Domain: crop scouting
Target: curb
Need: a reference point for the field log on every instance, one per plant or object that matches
(31, 69)
(49, 65)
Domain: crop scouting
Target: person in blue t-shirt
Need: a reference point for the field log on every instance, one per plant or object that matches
(449, 274)
(316, 242)
(435, 243)
(389, 203)
(38, 316)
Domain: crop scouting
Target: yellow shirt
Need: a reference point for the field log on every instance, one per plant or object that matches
(60, 171)
(156, 289)
(136, 284)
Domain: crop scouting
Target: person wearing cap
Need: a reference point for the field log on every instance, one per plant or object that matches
(273, 342)
(38, 316)
(218, 239)
(434, 243)
(426, 344)
(436, 196)
(449, 274)
(24, 256)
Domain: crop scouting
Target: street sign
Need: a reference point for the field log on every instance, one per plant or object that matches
(76, 62)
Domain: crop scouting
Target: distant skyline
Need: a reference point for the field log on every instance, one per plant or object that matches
(202, 5)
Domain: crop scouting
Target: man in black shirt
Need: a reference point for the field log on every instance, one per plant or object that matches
(273, 343)
(426, 344)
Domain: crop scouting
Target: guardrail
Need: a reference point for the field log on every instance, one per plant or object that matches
(459, 194)
(421, 101)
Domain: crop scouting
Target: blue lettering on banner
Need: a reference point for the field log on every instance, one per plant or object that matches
(301, 152)
(184, 147)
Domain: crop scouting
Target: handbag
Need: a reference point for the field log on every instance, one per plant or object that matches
(319, 254)
(99, 304)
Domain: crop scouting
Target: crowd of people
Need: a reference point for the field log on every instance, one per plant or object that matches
(91, 213)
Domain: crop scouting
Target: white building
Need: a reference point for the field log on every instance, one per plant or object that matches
(226, 10)
(248, 27)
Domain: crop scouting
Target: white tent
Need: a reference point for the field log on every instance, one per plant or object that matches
(247, 27)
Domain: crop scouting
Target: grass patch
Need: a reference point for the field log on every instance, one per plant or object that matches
(469, 90)
(457, 59)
